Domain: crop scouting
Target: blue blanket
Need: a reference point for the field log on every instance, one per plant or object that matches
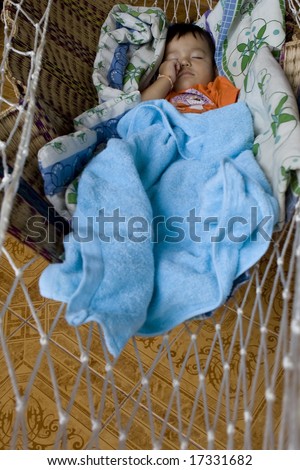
(168, 216)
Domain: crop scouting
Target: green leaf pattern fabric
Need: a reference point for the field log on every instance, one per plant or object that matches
(249, 59)
(272, 102)
(144, 31)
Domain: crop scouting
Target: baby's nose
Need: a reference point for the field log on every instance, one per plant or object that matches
(185, 63)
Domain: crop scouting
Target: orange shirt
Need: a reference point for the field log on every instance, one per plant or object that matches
(199, 98)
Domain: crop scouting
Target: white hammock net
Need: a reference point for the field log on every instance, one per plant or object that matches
(231, 381)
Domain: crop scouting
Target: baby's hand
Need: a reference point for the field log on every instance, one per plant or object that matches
(171, 68)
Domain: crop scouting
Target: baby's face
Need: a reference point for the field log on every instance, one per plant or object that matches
(194, 61)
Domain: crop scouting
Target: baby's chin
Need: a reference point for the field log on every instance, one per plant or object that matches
(185, 82)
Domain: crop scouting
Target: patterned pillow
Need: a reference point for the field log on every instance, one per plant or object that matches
(240, 29)
(272, 102)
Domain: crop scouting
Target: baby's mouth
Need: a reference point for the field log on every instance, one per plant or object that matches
(185, 72)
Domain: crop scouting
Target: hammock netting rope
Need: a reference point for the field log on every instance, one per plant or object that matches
(230, 381)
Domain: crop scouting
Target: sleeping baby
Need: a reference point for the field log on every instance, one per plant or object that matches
(188, 74)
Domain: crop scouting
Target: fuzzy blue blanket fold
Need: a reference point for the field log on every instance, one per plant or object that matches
(168, 216)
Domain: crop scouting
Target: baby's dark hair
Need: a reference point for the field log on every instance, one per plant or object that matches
(181, 29)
